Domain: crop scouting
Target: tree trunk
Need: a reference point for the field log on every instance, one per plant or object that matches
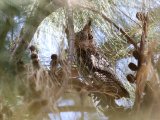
(71, 33)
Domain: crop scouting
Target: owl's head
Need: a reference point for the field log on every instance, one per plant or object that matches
(84, 38)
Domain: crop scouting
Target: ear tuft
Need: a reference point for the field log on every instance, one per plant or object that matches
(89, 22)
(88, 25)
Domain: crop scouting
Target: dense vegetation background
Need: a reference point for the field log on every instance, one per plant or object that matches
(43, 23)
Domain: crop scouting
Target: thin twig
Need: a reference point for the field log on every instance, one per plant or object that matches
(129, 17)
(129, 39)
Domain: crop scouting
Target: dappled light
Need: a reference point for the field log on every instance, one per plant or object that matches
(79, 60)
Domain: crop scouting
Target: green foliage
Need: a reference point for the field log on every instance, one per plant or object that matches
(114, 47)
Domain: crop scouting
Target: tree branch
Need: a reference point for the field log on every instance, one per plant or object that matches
(129, 39)
(43, 9)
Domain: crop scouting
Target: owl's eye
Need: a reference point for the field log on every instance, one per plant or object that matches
(90, 36)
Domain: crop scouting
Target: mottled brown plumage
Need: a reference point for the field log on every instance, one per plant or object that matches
(85, 49)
